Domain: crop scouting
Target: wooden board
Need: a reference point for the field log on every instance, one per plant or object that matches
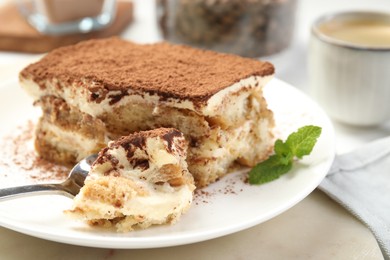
(16, 34)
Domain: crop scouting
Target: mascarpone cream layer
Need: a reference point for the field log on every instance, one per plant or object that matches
(69, 140)
(217, 105)
(154, 202)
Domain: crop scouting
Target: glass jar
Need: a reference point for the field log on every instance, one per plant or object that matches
(68, 16)
(251, 28)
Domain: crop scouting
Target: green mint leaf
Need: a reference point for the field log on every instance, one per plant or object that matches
(284, 151)
(268, 170)
(302, 142)
(298, 144)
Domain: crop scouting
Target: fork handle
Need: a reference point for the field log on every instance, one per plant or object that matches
(37, 189)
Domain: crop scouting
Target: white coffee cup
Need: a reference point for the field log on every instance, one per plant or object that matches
(349, 66)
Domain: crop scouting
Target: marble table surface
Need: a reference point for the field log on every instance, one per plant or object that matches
(316, 228)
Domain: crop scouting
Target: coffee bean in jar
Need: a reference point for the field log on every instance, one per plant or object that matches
(250, 28)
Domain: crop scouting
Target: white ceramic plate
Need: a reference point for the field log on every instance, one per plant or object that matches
(225, 207)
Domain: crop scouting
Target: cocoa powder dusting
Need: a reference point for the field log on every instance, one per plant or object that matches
(228, 187)
(170, 71)
(20, 164)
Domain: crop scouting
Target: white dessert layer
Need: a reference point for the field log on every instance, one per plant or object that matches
(248, 143)
(156, 207)
(146, 196)
(69, 140)
(224, 103)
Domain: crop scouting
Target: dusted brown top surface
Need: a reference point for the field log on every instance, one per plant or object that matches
(162, 68)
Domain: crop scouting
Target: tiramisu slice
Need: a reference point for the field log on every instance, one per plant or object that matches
(111, 87)
(137, 181)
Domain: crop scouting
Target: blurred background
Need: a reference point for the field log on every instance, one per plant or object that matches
(274, 30)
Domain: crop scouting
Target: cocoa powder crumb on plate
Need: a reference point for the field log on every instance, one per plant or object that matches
(19, 160)
(228, 188)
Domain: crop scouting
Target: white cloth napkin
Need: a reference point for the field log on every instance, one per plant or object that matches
(360, 181)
